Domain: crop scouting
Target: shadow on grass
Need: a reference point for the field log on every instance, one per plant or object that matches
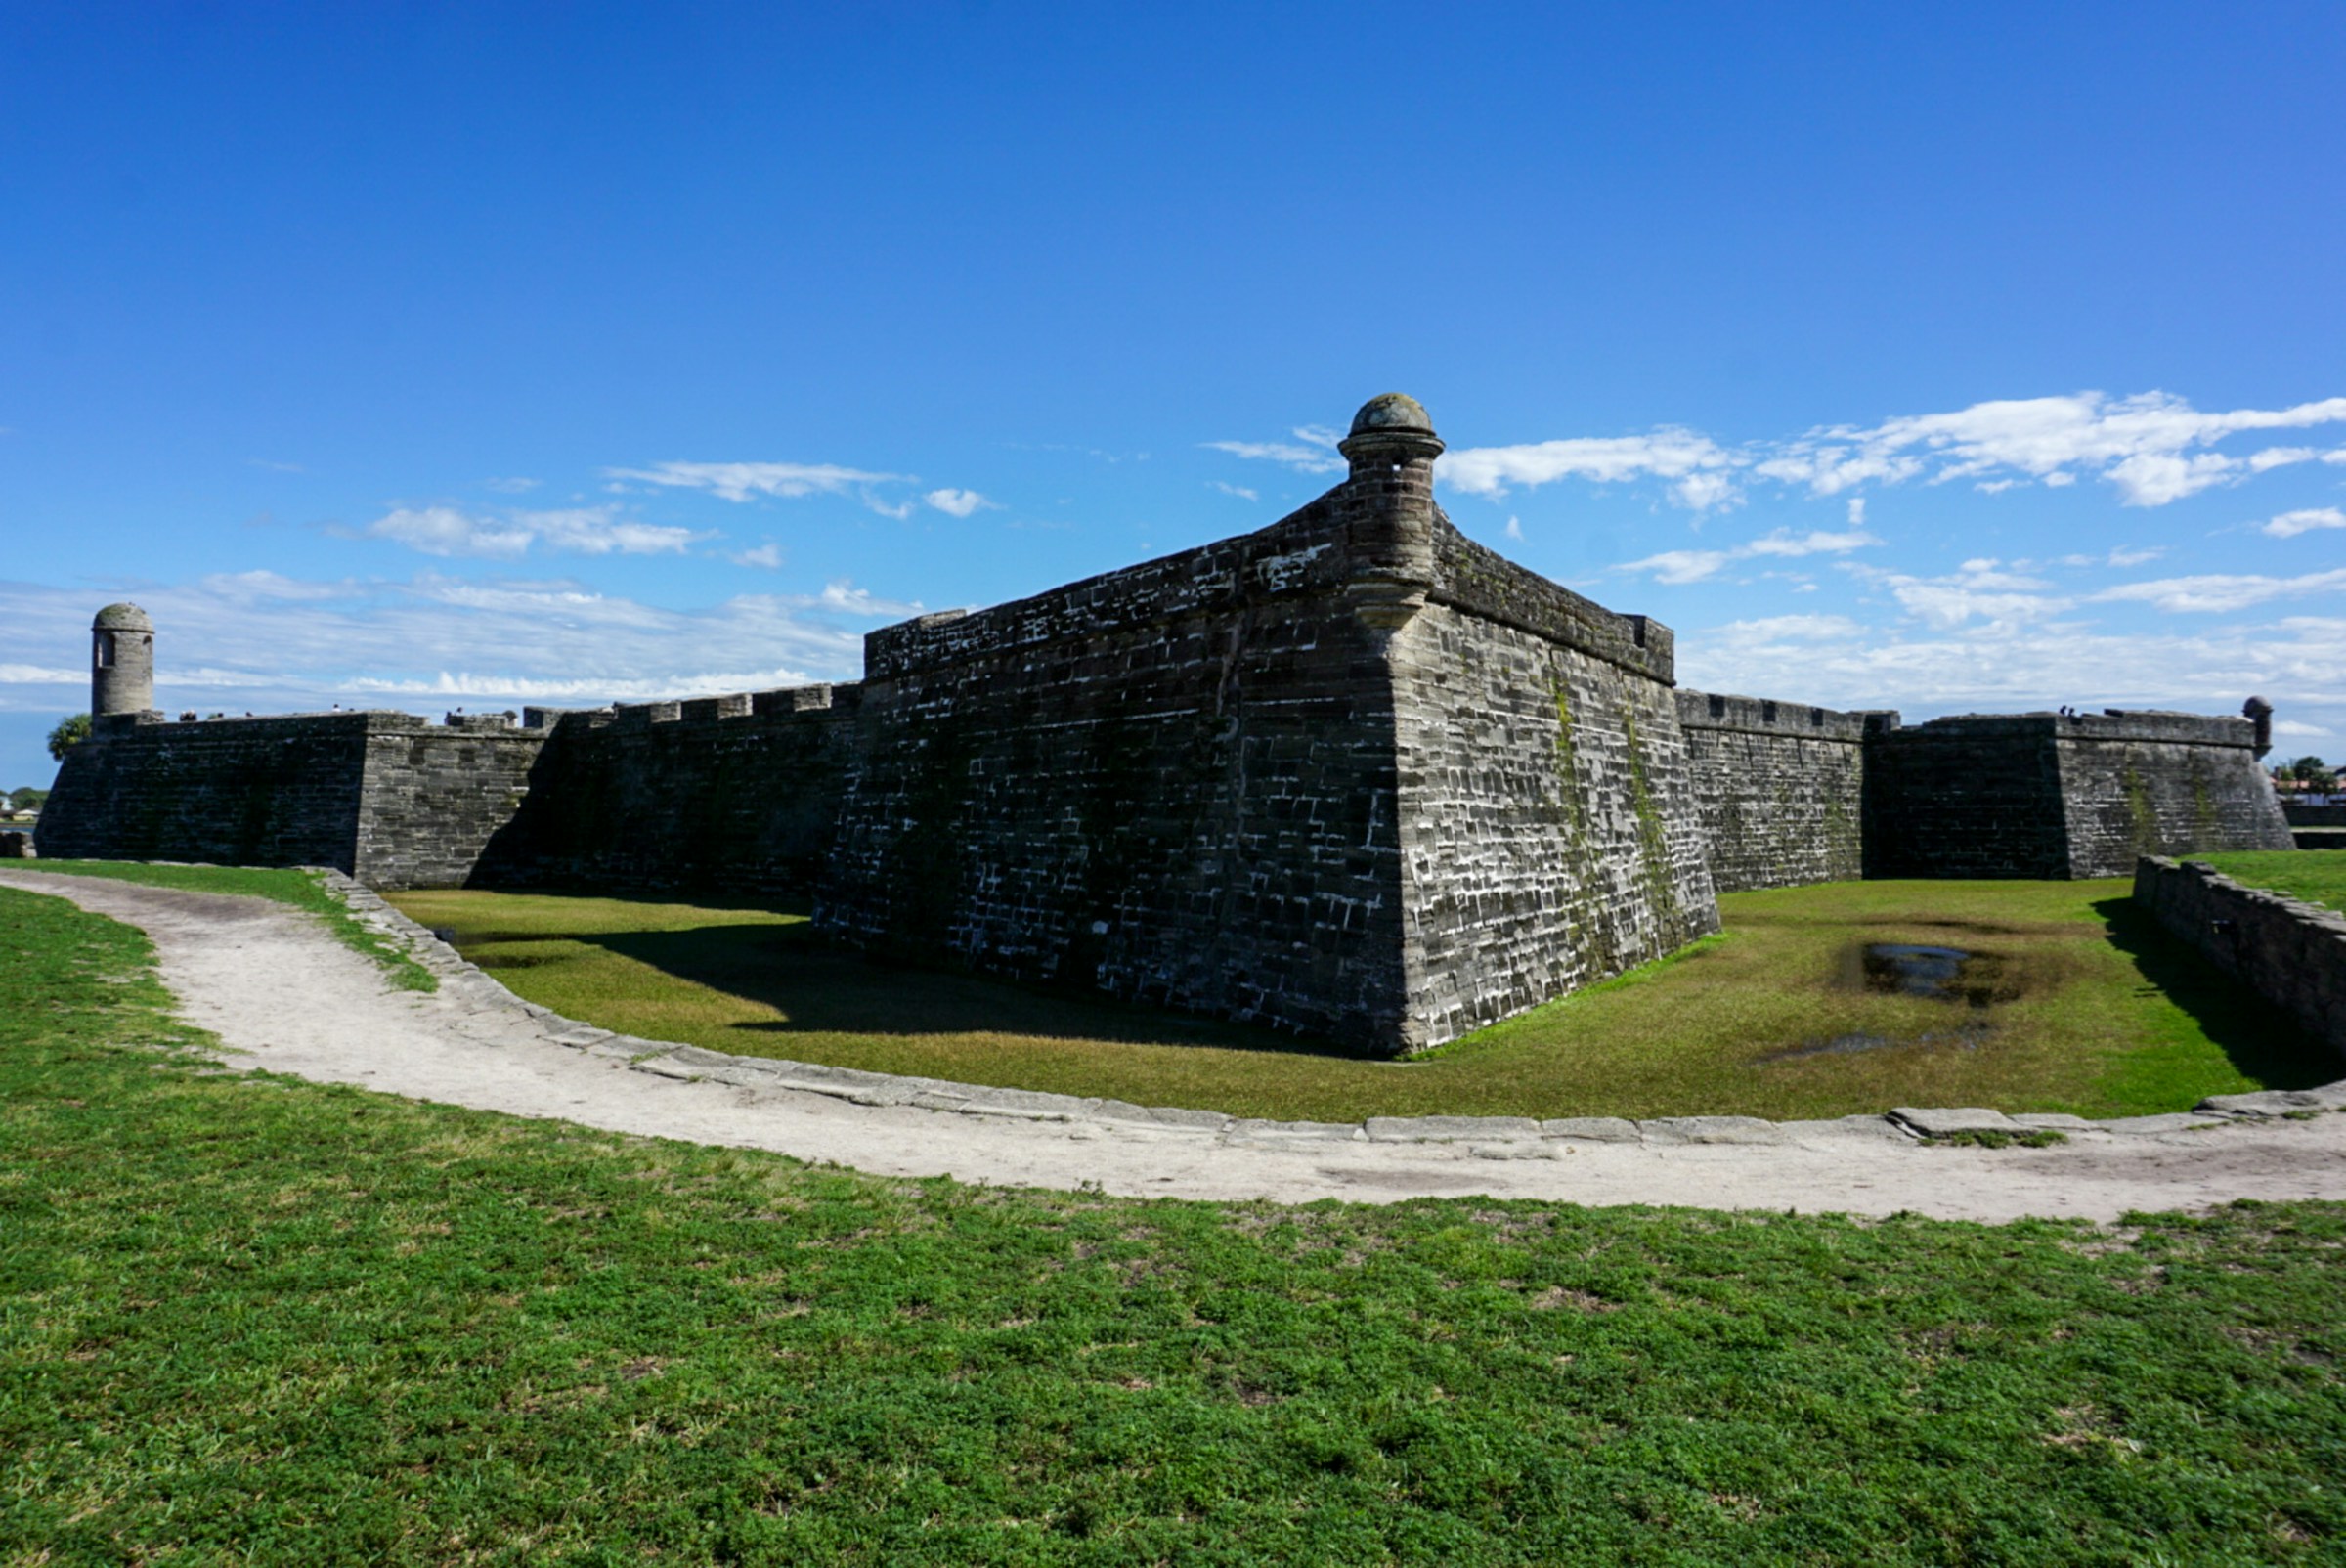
(2263, 1042)
(820, 989)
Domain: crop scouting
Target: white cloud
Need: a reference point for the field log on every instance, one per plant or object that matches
(2288, 525)
(767, 555)
(37, 674)
(1700, 466)
(2125, 555)
(2015, 666)
(741, 481)
(2219, 594)
(446, 531)
(1240, 490)
(843, 595)
(1979, 589)
(1515, 529)
(2291, 726)
(1789, 628)
(2152, 448)
(957, 502)
(1311, 451)
(228, 642)
(1692, 566)
(584, 531)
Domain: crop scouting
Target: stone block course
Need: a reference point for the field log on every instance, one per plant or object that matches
(2290, 953)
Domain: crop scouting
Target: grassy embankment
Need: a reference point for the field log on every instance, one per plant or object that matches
(255, 1320)
(2091, 1011)
(2317, 876)
(302, 889)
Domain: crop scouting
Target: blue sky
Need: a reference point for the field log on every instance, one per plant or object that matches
(1946, 359)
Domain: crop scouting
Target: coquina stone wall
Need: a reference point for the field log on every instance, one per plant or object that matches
(2151, 783)
(1975, 797)
(383, 796)
(2062, 795)
(1548, 829)
(1173, 784)
(263, 791)
(1350, 775)
(2293, 954)
(435, 795)
(735, 794)
(1780, 788)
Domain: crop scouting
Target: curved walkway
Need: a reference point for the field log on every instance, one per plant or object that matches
(276, 987)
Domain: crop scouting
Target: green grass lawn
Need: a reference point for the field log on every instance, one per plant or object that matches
(302, 889)
(259, 1320)
(2095, 1013)
(2318, 875)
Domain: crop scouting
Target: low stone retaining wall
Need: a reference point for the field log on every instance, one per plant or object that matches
(2293, 954)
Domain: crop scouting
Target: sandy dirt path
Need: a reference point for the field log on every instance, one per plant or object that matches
(284, 996)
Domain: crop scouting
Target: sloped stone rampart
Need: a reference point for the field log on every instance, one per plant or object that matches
(1549, 826)
(1780, 788)
(1173, 784)
(2151, 783)
(2062, 794)
(2290, 953)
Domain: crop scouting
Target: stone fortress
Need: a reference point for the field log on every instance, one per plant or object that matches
(1352, 775)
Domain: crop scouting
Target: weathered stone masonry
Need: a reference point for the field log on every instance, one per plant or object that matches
(737, 794)
(1780, 788)
(2062, 794)
(1350, 775)
(2293, 954)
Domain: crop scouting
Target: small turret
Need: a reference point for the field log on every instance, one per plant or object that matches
(2259, 713)
(1392, 450)
(121, 661)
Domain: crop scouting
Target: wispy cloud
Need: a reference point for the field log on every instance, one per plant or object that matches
(767, 555)
(2007, 665)
(2152, 448)
(449, 530)
(744, 481)
(1313, 451)
(2218, 593)
(1700, 467)
(2288, 525)
(1240, 490)
(265, 643)
(1692, 566)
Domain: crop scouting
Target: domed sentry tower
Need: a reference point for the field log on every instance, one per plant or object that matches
(121, 661)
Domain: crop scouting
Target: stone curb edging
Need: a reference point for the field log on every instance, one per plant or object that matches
(1491, 1137)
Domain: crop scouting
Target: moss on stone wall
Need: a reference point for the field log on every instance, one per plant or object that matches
(1653, 844)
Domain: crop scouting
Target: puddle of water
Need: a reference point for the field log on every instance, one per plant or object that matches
(1945, 974)
(1968, 1036)
(1910, 969)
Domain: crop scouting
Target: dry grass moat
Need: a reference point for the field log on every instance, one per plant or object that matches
(1818, 1001)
